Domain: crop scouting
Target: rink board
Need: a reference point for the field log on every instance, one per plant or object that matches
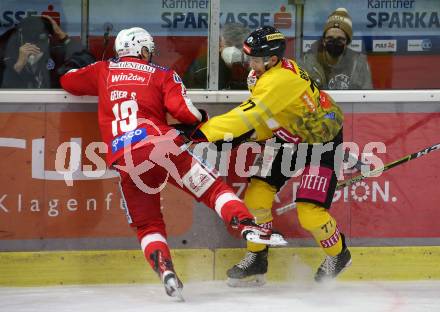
(398, 204)
(285, 264)
(68, 224)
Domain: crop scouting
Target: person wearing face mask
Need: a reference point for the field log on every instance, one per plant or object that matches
(34, 51)
(236, 62)
(233, 65)
(331, 63)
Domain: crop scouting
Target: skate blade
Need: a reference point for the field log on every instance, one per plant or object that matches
(329, 278)
(173, 290)
(273, 240)
(177, 293)
(257, 280)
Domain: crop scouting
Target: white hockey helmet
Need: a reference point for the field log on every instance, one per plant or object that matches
(129, 42)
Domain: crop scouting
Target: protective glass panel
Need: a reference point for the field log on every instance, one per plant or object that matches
(237, 20)
(179, 29)
(394, 44)
(36, 39)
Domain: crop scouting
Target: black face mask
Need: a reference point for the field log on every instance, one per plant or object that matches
(334, 47)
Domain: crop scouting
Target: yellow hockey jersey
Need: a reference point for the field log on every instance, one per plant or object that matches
(285, 103)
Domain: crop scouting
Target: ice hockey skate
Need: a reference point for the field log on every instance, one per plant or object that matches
(332, 266)
(252, 232)
(164, 268)
(250, 271)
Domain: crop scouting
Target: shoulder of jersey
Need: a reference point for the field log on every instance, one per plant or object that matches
(288, 64)
(164, 68)
(117, 60)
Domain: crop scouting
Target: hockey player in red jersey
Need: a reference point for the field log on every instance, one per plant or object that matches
(134, 97)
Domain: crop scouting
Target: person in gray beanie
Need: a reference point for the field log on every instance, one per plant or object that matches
(331, 63)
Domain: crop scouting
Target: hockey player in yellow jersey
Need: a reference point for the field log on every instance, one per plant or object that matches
(287, 107)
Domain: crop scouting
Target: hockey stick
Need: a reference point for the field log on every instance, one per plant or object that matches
(388, 166)
(368, 174)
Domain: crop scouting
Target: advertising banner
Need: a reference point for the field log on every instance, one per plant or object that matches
(175, 25)
(160, 17)
(65, 13)
(190, 18)
(35, 200)
(37, 203)
(405, 26)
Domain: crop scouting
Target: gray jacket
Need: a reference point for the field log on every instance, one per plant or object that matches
(351, 72)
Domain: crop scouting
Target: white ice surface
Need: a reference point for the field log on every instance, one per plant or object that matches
(217, 296)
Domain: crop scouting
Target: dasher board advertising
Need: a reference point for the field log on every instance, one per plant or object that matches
(160, 17)
(402, 26)
(36, 201)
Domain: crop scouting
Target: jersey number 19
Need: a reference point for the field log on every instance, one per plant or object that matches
(125, 116)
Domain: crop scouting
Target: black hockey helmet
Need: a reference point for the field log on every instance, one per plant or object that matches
(265, 41)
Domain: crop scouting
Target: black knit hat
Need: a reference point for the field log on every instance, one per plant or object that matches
(33, 27)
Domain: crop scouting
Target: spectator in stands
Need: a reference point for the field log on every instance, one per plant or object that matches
(331, 63)
(233, 66)
(33, 52)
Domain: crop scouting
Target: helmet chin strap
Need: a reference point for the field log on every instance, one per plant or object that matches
(150, 56)
(266, 62)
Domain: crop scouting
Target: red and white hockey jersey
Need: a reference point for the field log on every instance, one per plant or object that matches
(134, 97)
